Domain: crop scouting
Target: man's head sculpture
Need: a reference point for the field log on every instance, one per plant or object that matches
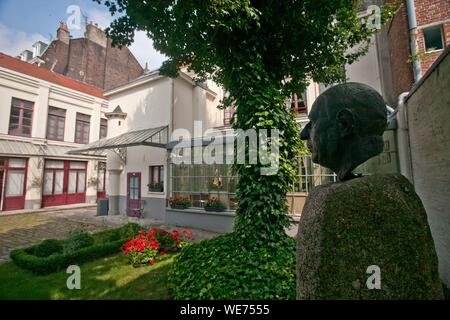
(346, 126)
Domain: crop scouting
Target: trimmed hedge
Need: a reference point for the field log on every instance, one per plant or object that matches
(25, 258)
(221, 269)
(47, 248)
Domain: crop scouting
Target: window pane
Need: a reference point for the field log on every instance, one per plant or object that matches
(101, 180)
(77, 165)
(81, 181)
(72, 187)
(21, 113)
(59, 179)
(15, 183)
(48, 182)
(16, 163)
(54, 164)
(433, 38)
(155, 174)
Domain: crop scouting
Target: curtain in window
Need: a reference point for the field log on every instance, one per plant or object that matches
(16, 180)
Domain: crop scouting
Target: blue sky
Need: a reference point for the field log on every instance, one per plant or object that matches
(23, 22)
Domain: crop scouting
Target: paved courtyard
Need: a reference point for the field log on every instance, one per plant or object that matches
(22, 230)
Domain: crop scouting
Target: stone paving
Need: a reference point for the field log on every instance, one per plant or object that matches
(23, 230)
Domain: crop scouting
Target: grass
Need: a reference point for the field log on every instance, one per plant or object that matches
(107, 278)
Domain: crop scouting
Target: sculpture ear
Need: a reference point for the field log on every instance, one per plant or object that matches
(346, 120)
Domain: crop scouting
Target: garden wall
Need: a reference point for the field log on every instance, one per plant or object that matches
(428, 119)
(221, 222)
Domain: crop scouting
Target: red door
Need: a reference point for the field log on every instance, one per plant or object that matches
(133, 193)
(64, 183)
(15, 172)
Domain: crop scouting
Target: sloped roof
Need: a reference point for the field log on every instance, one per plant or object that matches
(152, 137)
(32, 70)
(24, 148)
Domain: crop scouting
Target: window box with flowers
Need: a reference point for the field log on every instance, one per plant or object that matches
(179, 202)
(156, 186)
(215, 205)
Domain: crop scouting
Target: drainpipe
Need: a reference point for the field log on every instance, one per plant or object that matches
(403, 142)
(412, 22)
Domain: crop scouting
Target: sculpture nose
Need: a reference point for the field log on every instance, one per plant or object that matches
(304, 135)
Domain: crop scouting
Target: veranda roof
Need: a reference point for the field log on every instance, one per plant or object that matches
(9, 147)
(153, 137)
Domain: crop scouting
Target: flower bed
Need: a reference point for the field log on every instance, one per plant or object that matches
(77, 249)
(147, 248)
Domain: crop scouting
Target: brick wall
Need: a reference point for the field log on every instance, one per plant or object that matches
(398, 38)
(121, 67)
(427, 11)
(58, 52)
(88, 61)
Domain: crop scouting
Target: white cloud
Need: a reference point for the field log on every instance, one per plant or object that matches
(13, 42)
(142, 47)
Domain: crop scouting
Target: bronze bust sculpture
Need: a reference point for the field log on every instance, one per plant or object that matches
(346, 126)
(348, 227)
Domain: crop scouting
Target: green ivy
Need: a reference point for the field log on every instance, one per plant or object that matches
(221, 269)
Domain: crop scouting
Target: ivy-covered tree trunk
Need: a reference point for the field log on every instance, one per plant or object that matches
(262, 213)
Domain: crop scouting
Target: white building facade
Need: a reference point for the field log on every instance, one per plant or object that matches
(44, 116)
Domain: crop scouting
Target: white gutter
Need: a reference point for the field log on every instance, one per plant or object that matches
(413, 39)
(403, 142)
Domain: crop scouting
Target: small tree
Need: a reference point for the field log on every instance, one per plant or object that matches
(260, 51)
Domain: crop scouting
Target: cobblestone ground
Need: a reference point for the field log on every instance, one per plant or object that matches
(22, 230)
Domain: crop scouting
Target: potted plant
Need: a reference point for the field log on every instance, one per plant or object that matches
(179, 202)
(233, 203)
(215, 204)
(156, 186)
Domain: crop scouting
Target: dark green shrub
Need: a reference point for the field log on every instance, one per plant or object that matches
(26, 260)
(131, 230)
(101, 244)
(446, 292)
(221, 269)
(78, 240)
(108, 235)
(47, 248)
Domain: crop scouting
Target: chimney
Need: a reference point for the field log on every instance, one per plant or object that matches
(95, 34)
(62, 33)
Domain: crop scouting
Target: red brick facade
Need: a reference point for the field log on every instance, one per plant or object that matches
(92, 60)
(427, 12)
(401, 66)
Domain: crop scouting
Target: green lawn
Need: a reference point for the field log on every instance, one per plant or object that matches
(106, 278)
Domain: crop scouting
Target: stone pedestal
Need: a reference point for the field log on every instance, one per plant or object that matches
(362, 234)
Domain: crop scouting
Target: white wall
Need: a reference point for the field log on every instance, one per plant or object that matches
(148, 105)
(366, 70)
(44, 94)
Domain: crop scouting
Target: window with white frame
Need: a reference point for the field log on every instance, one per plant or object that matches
(433, 38)
(156, 179)
(21, 117)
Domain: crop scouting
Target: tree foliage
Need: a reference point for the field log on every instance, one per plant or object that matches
(260, 51)
(295, 39)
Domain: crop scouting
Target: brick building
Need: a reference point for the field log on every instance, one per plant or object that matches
(428, 23)
(91, 59)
